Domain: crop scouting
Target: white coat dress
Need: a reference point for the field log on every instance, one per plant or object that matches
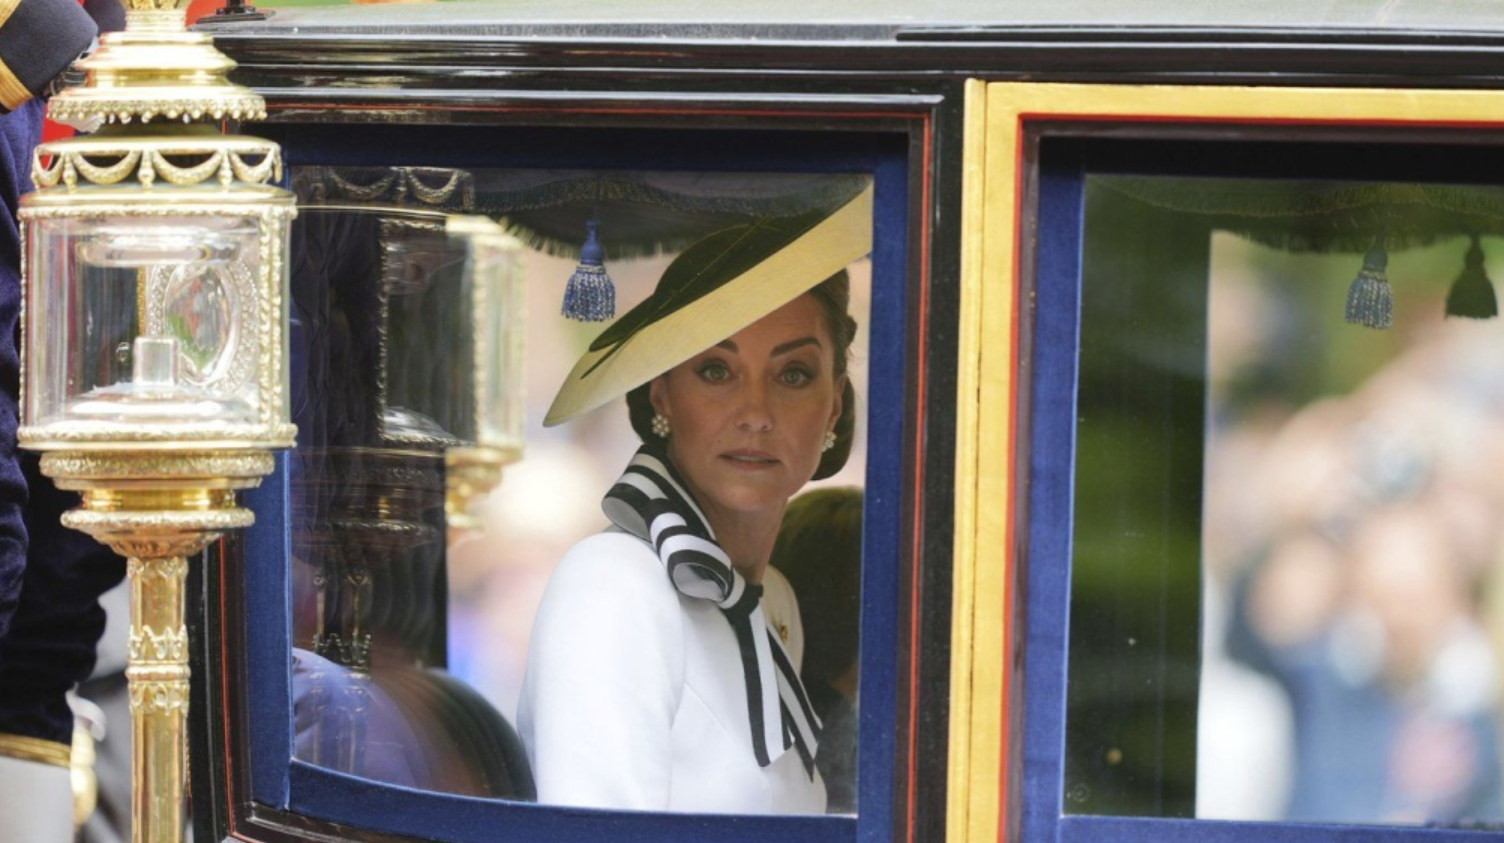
(634, 696)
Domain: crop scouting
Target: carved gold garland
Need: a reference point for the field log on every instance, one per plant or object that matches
(402, 182)
(228, 159)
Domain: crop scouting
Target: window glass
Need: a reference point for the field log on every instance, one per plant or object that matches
(1286, 544)
(412, 626)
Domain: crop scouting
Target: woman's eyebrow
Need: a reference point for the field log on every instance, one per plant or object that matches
(785, 348)
(781, 348)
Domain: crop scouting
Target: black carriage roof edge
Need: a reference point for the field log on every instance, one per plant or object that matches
(882, 20)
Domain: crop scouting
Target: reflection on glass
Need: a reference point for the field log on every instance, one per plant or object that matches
(383, 338)
(412, 627)
(198, 307)
(1285, 534)
(107, 284)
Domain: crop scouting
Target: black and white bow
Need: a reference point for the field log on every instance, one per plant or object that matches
(651, 502)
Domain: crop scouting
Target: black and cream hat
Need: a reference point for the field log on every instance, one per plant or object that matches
(716, 287)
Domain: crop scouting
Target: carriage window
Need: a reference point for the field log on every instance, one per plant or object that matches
(1286, 542)
(413, 608)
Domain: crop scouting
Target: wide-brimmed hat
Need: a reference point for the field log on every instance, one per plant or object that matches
(716, 287)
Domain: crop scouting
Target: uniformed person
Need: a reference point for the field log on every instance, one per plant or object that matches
(50, 577)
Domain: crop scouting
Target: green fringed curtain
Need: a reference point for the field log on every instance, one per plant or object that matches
(1311, 216)
(642, 213)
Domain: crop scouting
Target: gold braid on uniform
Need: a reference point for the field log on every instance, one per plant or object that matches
(27, 748)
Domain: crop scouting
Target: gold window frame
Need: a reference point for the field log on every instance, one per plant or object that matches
(985, 759)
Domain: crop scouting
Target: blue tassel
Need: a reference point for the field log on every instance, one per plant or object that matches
(1369, 301)
(590, 296)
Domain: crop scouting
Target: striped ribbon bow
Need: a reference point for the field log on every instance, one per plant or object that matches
(650, 501)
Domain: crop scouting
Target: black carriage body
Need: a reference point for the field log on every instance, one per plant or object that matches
(891, 89)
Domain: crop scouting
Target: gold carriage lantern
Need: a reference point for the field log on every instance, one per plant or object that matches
(155, 370)
(493, 283)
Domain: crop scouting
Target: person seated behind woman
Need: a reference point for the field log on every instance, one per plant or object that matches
(819, 551)
(654, 679)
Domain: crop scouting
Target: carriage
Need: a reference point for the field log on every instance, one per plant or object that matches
(1177, 317)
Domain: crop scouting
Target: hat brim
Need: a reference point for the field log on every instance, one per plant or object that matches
(606, 373)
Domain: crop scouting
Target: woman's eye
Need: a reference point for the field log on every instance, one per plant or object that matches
(715, 372)
(795, 376)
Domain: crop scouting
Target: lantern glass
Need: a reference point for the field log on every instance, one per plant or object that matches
(143, 321)
(494, 273)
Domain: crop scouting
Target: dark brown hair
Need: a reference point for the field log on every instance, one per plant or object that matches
(819, 550)
(834, 297)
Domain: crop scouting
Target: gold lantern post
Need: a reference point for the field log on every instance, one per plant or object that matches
(155, 372)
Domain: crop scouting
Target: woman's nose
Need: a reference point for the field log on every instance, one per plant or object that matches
(754, 413)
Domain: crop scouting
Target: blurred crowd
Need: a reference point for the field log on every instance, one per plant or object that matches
(1353, 620)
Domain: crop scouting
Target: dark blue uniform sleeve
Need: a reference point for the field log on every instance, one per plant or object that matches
(18, 133)
(38, 40)
(52, 638)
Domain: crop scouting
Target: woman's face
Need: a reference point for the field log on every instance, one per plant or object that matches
(749, 415)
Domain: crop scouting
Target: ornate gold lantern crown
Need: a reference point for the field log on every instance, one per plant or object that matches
(156, 69)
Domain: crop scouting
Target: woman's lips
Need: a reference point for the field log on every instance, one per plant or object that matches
(750, 459)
